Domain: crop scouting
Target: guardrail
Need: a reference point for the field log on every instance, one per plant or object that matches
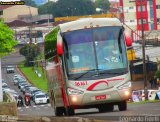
(9, 107)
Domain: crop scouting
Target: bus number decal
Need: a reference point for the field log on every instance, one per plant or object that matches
(81, 83)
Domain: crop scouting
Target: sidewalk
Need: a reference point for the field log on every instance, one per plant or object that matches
(137, 85)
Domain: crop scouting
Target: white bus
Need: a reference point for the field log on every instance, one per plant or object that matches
(90, 68)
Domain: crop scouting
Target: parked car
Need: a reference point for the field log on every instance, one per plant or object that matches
(40, 98)
(139, 95)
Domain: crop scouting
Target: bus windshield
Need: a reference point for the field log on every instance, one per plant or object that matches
(99, 49)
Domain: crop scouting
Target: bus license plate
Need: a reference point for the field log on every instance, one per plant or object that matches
(101, 97)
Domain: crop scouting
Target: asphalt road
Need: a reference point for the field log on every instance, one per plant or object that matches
(147, 109)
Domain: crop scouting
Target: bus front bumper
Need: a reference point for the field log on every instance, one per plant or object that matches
(100, 97)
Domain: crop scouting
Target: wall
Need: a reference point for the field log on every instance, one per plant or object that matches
(13, 12)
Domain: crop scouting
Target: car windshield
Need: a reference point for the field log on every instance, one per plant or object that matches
(40, 96)
(98, 48)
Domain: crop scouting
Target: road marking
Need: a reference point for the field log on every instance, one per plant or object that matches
(42, 105)
(34, 106)
(19, 108)
(27, 107)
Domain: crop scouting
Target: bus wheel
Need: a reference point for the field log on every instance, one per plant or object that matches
(59, 111)
(122, 106)
(69, 111)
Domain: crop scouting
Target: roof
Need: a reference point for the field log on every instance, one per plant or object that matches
(18, 23)
(88, 23)
(2, 7)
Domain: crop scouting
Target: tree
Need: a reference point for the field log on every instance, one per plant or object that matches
(30, 51)
(30, 3)
(7, 43)
(46, 8)
(74, 7)
(63, 8)
(102, 4)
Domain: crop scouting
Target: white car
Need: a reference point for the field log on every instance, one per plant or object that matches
(40, 98)
(10, 69)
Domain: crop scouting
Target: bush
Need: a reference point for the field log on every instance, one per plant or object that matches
(157, 74)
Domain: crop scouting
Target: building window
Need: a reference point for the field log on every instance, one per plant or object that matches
(131, 7)
(158, 19)
(158, 6)
(131, 20)
(144, 21)
(143, 8)
(1, 12)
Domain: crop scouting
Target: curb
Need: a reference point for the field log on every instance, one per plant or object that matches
(20, 72)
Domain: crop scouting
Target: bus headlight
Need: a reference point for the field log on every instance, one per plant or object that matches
(124, 86)
(72, 91)
(127, 93)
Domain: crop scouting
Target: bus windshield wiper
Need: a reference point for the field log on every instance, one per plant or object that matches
(106, 72)
(86, 73)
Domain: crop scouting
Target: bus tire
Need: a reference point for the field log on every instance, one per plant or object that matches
(69, 111)
(122, 106)
(59, 111)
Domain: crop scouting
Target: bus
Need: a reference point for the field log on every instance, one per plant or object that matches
(89, 67)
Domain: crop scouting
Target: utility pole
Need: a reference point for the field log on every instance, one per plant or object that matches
(143, 51)
(30, 28)
(143, 54)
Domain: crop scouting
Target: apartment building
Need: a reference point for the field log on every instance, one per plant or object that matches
(132, 11)
(15, 12)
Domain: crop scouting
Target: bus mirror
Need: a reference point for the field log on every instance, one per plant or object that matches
(128, 40)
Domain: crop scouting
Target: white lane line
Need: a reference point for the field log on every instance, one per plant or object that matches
(26, 107)
(34, 106)
(42, 105)
(19, 108)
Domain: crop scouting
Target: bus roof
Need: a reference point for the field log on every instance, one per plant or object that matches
(88, 23)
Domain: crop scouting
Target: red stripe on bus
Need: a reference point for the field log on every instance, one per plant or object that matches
(95, 84)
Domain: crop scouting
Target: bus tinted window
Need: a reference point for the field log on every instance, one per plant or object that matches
(96, 48)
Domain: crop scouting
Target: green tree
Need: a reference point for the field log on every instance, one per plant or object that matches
(63, 8)
(30, 51)
(102, 4)
(157, 74)
(47, 8)
(74, 7)
(7, 43)
(30, 3)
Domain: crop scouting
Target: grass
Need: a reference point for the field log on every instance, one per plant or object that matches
(39, 82)
(143, 102)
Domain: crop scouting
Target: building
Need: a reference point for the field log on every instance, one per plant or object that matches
(15, 12)
(114, 7)
(131, 15)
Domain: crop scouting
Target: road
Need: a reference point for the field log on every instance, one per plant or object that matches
(46, 110)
